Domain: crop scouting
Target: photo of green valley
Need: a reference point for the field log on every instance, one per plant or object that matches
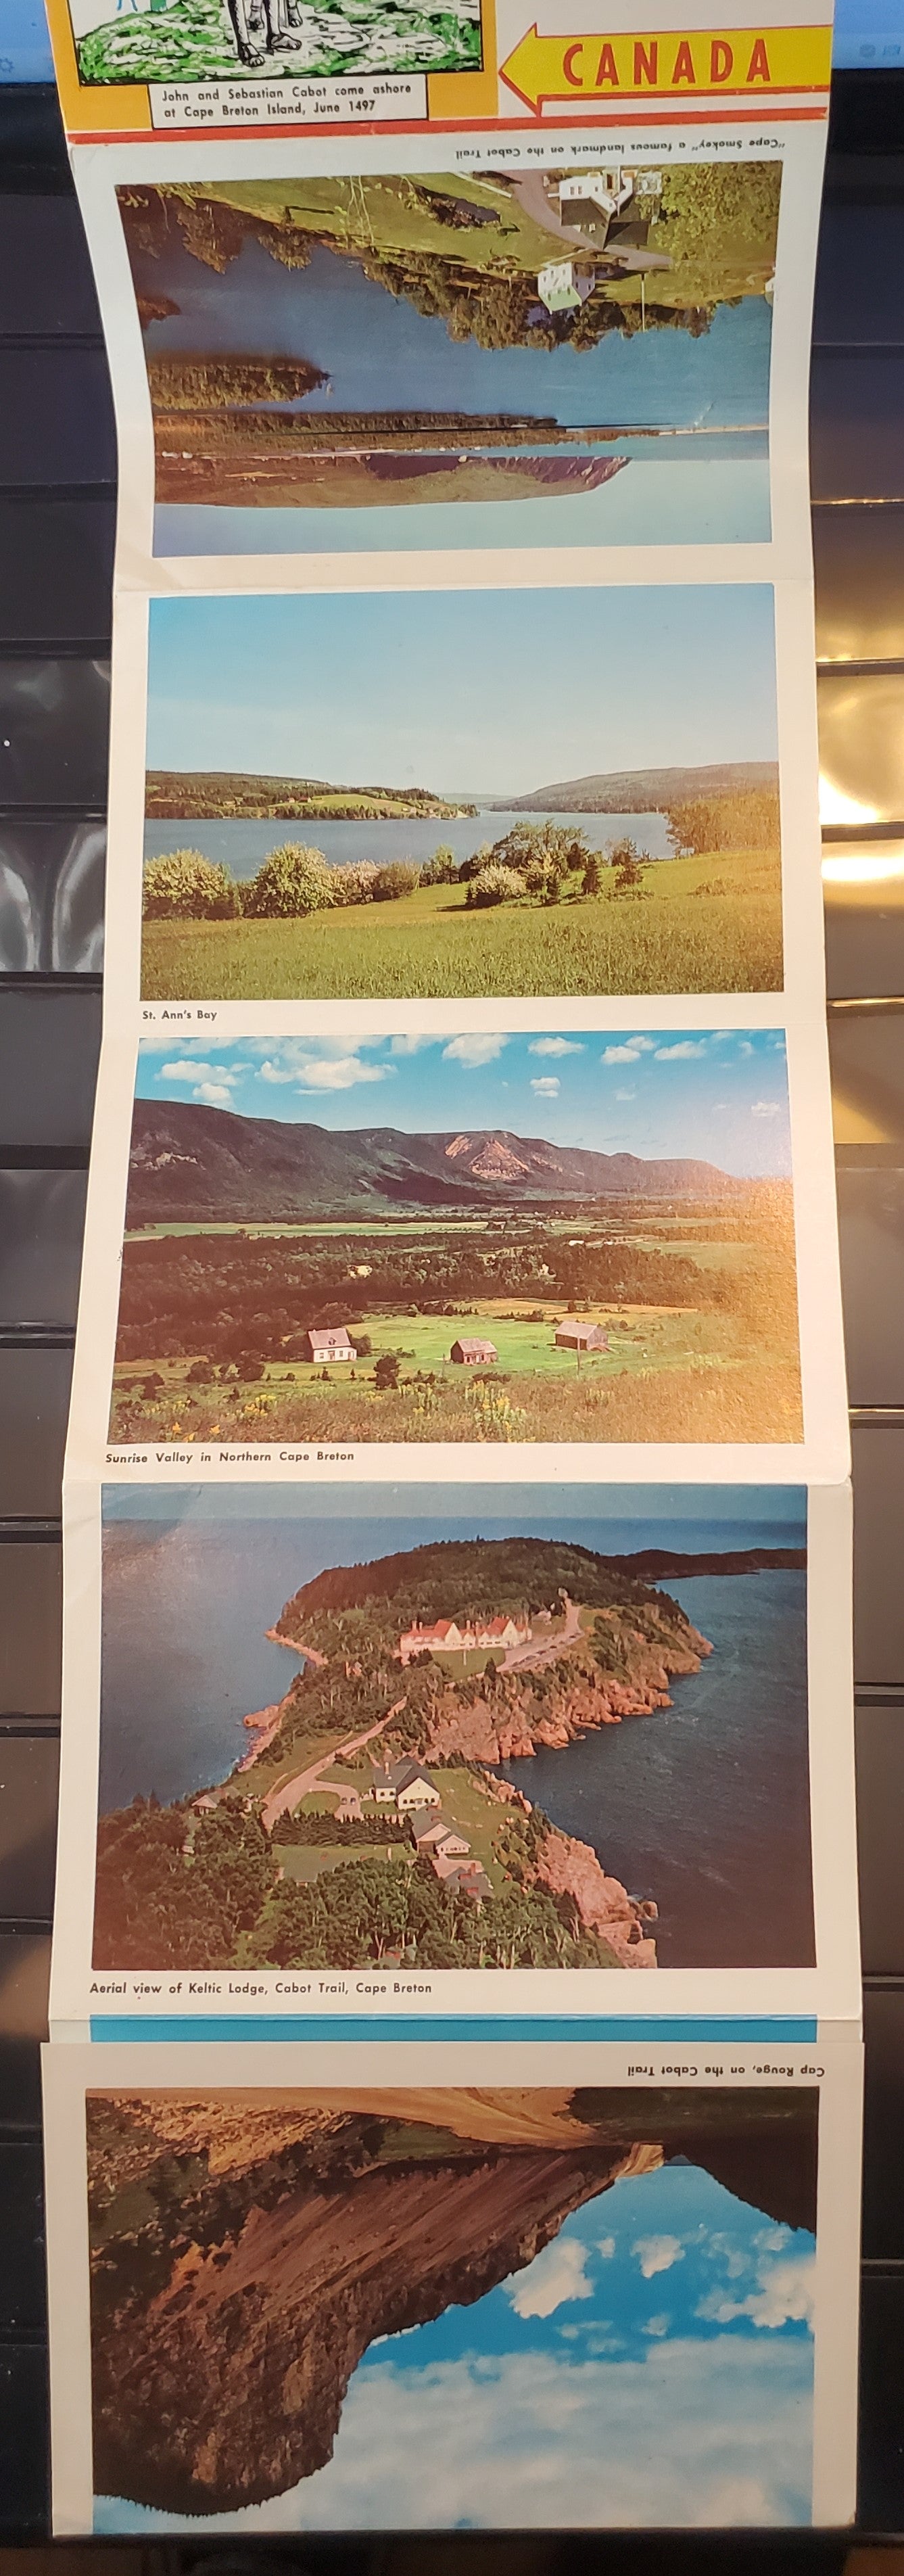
(573, 2307)
(551, 1238)
(345, 795)
(577, 1738)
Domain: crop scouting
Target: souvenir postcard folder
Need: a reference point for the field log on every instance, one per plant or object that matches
(455, 2044)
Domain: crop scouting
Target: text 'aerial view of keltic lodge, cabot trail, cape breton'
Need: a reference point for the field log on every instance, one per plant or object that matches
(496, 357)
(575, 2306)
(347, 796)
(472, 1238)
(452, 1729)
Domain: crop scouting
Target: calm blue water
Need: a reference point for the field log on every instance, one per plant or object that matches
(379, 354)
(703, 1806)
(243, 845)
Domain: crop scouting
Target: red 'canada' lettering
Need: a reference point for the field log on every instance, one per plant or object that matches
(721, 60)
(607, 70)
(759, 62)
(570, 56)
(684, 64)
(646, 63)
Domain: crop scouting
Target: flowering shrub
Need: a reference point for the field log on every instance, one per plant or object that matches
(291, 881)
(495, 884)
(184, 886)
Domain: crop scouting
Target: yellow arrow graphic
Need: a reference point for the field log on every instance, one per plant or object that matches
(757, 62)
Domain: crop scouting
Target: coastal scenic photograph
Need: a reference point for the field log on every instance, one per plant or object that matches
(443, 1728)
(246, 40)
(465, 793)
(476, 2310)
(484, 1237)
(495, 356)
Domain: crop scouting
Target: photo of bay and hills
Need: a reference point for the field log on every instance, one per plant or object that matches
(421, 1729)
(476, 1238)
(498, 356)
(415, 794)
(581, 2307)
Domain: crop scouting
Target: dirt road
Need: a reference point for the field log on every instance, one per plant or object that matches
(534, 1655)
(287, 1793)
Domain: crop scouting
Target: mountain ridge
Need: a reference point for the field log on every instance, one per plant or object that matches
(190, 1160)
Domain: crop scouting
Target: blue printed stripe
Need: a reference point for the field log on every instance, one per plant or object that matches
(762, 2031)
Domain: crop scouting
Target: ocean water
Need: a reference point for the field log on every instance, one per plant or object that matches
(244, 844)
(704, 1806)
(379, 354)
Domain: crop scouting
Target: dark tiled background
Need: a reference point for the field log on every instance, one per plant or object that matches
(57, 500)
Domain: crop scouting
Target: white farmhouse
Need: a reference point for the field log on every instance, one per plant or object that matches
(562, 286)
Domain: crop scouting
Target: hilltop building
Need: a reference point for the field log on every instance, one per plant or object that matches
(577, 1333)
(467, 1354)
(453, 1636)
(562, 286)
(329, 1342)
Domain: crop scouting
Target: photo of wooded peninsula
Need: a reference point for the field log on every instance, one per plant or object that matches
(570, 1734)
(572, 346)
(577, 2307)
(344, 795)
(549, 1238)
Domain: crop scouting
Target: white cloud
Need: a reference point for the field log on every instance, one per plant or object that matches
(695, 2435)
(719, 1104)
(626, 1095)
(628, 1051)
(190, 1069)
(606, 2248)
(555, 1046)
(745, 1046)
(339, 1073)
(214, 1095)
(555, 2277)
(473, 1050)
(657, 2254)
(269, 1072)
(685, 1047)
(765, 1109)
(546, 1085)
(657, 2327)
(411, 1046)
(784, 2295)
(701, 2434)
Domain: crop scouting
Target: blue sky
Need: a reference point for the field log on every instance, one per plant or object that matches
(653, 2365)
(688, 500)
(718, 1095)
(501, 691)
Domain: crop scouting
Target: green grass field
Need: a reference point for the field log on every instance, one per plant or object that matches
(701, 925)
(670, 1373)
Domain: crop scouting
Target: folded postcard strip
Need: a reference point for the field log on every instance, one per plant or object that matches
(305, 2290)
(457, 1734)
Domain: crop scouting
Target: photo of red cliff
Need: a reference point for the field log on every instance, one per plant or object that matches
(445, 2307)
